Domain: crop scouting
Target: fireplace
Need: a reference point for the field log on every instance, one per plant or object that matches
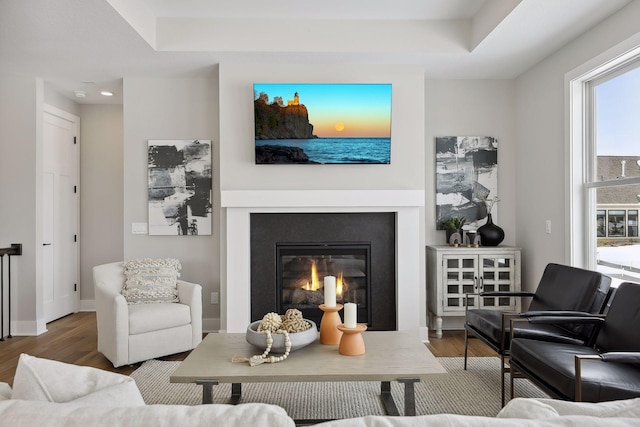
(238, 273)
(292, 253)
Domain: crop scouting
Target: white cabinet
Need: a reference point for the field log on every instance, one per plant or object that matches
(454, 272)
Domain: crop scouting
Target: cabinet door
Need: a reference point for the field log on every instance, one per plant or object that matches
(460, 277)
(497, 272)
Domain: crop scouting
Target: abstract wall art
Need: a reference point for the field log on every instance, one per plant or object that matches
(180, 187)
(466, 178)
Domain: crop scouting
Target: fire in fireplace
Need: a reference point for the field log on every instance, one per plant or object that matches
(302, 268)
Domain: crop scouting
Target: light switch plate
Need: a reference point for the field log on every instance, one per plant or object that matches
(138, 228)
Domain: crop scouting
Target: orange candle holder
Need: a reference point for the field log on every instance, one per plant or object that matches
(351, 343)
(329, 333)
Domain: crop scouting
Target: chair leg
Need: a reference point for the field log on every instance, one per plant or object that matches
(466, 344)
(502, 372)
(511, 375)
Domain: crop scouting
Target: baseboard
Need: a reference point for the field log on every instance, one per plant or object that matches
(28, 328)
(211, 325)
(87, 305)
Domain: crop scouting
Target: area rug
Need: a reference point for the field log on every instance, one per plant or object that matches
(475, 391)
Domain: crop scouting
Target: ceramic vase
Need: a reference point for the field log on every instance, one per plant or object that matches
(490, 234)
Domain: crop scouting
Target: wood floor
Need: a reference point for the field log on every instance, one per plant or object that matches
(73, 339)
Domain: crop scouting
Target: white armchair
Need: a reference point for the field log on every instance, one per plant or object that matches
(132, 333)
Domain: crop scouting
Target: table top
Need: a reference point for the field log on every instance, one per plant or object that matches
(390, 355)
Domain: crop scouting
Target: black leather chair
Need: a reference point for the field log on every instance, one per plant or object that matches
(607, 370)
(561, 288)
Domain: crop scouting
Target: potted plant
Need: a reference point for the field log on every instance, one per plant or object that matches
(454, 225)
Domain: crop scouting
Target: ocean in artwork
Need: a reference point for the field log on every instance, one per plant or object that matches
(339, 150)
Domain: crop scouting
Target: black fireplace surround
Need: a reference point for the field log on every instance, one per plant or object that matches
(326, 233)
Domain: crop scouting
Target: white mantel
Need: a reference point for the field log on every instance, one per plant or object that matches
(240, 204)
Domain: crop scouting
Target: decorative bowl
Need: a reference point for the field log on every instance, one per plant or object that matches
(298, 339)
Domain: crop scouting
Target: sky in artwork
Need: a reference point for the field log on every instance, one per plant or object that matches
(618, 115)
(339, 110)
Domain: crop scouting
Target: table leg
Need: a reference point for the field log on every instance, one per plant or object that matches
(236, 393)
(207, 390)
(409, 395)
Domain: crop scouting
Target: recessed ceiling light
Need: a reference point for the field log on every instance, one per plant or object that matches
(80, 94)
(106, 93)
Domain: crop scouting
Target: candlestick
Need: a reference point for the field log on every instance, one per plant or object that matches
(329, 333)
(351, 342)
(330, 291)
(350, 315)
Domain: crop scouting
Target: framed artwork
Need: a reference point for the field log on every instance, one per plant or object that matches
(180, 187)
(466, 178)
(322, 123)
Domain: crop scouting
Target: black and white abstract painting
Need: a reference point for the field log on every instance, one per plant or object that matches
(466, 177)
(180, 187)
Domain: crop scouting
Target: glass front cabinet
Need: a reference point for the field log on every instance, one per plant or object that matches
(454, 272)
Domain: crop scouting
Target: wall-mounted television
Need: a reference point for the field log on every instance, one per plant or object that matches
(322, 123)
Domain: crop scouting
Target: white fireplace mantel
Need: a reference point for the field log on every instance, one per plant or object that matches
(236, 255)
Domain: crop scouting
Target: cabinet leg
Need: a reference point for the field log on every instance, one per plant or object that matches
(438, 327)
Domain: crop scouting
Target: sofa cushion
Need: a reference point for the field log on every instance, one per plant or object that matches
(52, 381)
(151, 280)
(154, 317)
(5, 391)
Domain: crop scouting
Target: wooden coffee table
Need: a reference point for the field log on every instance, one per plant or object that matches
(390, 356)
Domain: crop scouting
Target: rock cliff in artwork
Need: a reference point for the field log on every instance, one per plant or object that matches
(274, 121)
(276, 154)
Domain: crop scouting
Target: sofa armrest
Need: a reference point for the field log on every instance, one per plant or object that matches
(191, 295)
(584, 320)
(621, 357)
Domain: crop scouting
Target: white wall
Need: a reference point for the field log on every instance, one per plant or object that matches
(156, 108)
(472, 107)
(541, 133)
(101, 192)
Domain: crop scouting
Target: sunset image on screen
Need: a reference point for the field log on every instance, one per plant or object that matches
(328, 123)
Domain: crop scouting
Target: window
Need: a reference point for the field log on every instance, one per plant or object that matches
(610, 187)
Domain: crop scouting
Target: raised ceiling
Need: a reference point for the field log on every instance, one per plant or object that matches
(92, 44)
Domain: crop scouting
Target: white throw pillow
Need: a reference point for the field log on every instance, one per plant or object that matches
(52, 381)
(151, 280)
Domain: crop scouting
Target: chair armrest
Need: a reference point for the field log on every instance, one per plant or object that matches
(506, 294)
(583, 320)
(556, 313)
(621, 357)
(191, 295)
(112, 318)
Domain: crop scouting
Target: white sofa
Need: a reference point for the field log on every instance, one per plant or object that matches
(132, 333)
(51, 394)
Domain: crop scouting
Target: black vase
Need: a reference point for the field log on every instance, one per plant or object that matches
(490, 234)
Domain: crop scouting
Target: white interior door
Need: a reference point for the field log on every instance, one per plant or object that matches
(60, 214)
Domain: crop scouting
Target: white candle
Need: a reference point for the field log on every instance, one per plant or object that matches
(330, 291)
(350, 315)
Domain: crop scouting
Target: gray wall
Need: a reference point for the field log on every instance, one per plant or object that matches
(472, 107)
(170, 109)
(541, 132)
(101, 192)
(21, 109)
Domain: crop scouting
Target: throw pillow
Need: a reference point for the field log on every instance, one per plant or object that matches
(151, 280)
(52, 381)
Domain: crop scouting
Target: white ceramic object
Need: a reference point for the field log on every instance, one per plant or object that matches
(298, 339)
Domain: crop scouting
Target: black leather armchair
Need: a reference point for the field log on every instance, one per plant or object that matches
(561, 288)
(607, 370)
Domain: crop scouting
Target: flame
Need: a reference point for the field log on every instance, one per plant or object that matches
(339, 282)
(314, 285)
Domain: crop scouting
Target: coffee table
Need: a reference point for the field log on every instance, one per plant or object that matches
(390, 356)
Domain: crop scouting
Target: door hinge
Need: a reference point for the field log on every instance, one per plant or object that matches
(75, 237)
(75, 189)
(75, 287)
(74, 140)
